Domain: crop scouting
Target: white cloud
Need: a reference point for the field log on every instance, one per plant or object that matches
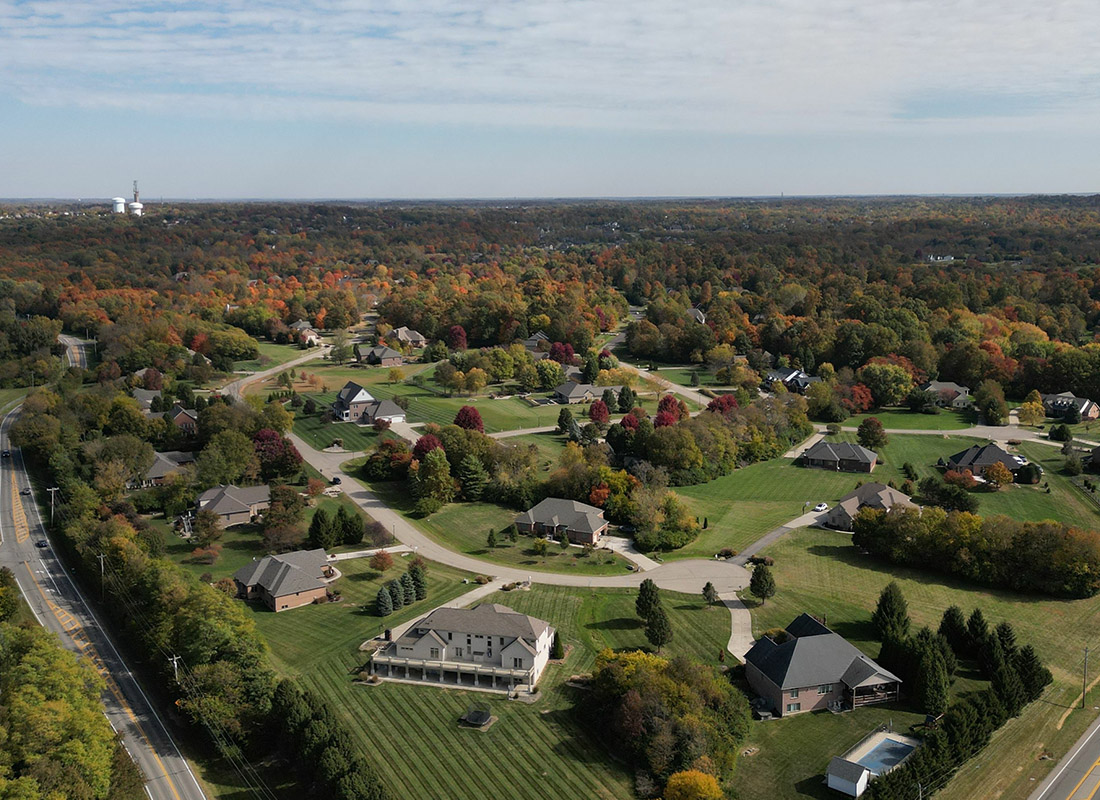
(747, 66)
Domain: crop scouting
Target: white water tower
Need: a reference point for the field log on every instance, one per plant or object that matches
(136, 208)
(119, 204)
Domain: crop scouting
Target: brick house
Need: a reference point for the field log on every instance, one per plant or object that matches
(285, 581)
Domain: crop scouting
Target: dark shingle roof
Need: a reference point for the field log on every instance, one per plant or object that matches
(554, 511)
(841, 451)
(813, 660)
(846, 770)
(486, 619)
(285, 574)
(805, 625)
(976, 457)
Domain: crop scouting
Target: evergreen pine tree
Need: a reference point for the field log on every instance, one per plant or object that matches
(961, 727)
(649, 598)
(420, 580)
(473, 477)
(1033, 675)
(950, 660)
(557, 650)
(397, 594)
(658, 630)
(491, 539)
(321, 531)
(1006, 684)
(609, 399)
(1007, 637)
(953, 627)
(408, 588)
(990, 656)
(710, 594)
(350, 526)
(762, 583)
(626, 399)
(891, 617)
(932, 682)
(565, 419)
(977, 631)
(383, 602)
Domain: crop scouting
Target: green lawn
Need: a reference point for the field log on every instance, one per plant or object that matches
(548, 755)
(303, 637)
(464, 527)
(682, 375)
(271, 355)
(822, 573)
(240, 544)
(747, 503)
(904, 419)
(10, 397)
(319, 435)
(550, 447)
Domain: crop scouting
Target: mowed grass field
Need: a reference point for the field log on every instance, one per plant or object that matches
(302, 638)
(464, 527)
(271, 355)
(903, 419)
(747, 503)
(412, 736)
(822, 573)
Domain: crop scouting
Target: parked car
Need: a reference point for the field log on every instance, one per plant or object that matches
(336, 479)
(627, 529)
(6, 454)
(41, 543)
(821, 507)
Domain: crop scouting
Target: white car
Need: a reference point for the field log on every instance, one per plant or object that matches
(821, 507)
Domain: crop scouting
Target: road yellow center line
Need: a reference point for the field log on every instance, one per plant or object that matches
(84, 644)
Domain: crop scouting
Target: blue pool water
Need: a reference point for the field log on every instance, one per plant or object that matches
(886, 754)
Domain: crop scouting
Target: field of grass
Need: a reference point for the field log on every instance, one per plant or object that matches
(241, 544)
(319, 435)
(682, 375)
(271, 355)
(903, 419)
(747, 503)
(464, 527)
(824, 574)
(303, 637)
(547, 754)
(550, 447)
(10, 397)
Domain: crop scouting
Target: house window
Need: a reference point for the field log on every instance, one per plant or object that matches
(502, 641)
(793, 707)
(794, 693)
(517, 663)
(433, 653)
(458, 652)
(449, 637)
(825, 688)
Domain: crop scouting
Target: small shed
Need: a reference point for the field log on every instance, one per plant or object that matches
(848, 777)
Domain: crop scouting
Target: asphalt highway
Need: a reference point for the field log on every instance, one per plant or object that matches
(59, 607)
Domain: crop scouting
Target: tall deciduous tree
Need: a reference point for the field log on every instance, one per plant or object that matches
(871, 434)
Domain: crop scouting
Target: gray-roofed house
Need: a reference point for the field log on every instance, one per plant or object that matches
(949, 394)
(533, 342)
(235, 505)
(698, 315)
(978, 459)
(408, 336)
(285, 581)
(184, 418)
(815, 669)
(356, 404)
(383, 356)
(840, 456)
(489, 646)
(170, 462)
(570, 392)
(145, 398)
(579, 522)
(869, 495)
(1064, 404)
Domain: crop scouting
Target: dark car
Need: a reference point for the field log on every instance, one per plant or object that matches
(6, 454)
(628, 529)
(41, 543)
(336, 479)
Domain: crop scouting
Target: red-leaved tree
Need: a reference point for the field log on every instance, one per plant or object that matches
(598, 412)
(456, 337)
(424, 445)
(724, 404)
(469, 418)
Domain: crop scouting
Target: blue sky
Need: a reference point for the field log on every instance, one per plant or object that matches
(466, 98)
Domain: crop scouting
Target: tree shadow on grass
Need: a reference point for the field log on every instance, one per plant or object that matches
(363, 577)
(814, 786)
(617, 624)
(855, 630)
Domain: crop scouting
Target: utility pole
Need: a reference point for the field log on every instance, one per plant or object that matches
(1085, 677)
(101, 557)
(175, 667)
(52, 490)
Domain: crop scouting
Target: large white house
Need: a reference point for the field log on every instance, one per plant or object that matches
(489, 646)
(356, 404)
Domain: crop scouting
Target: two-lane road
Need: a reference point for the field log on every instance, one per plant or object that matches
(1077, 776)
(58, 605)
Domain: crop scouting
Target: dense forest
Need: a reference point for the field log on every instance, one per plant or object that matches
(809, 282)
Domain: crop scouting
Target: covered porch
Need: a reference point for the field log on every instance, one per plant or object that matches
(451, 673)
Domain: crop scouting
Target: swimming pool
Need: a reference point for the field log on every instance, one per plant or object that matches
(885, 755)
